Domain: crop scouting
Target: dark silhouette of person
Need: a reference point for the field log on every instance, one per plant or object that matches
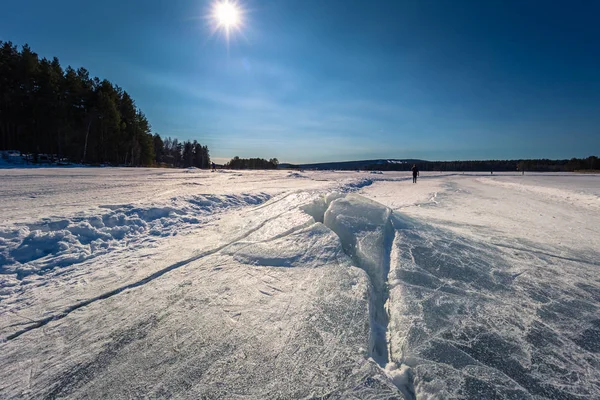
(214, 167)
(415, 172)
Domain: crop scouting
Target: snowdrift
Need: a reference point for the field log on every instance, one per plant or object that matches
(41, 247)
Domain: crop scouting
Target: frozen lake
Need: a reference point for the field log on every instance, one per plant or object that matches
(161, 283)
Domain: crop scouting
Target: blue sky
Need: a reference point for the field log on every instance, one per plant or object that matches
(328, 80)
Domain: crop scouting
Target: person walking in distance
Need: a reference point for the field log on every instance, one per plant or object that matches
(415, 172)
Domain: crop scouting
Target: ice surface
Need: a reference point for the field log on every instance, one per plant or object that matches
(120, 283)
(471, 311)
(494, 287)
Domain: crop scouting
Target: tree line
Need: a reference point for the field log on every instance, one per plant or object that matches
(541, 165)
(67, 114)
(180, 154)
(252, 163)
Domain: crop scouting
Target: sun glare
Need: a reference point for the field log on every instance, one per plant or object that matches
(227, 14)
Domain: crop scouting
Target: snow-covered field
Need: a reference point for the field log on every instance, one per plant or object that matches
(149, 283)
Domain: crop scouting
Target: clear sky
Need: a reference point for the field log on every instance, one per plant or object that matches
(328, 80)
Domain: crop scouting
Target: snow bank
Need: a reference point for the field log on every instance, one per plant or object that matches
(356, 185)
(11, 159)
(296, 175)
(49, 244)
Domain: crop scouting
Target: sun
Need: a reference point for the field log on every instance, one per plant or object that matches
(227, 15)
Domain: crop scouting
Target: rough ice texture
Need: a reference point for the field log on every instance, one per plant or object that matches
(121, 283)
(40, 247)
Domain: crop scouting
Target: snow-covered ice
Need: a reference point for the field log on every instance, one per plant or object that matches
(150, 283)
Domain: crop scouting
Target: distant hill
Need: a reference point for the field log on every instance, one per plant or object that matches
(540, 165)
(349, 165)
